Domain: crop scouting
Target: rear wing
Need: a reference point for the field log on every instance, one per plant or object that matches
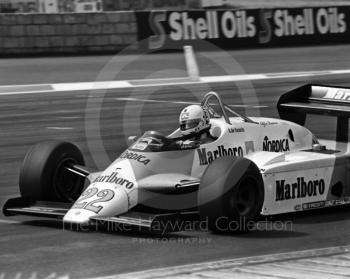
(317, 99)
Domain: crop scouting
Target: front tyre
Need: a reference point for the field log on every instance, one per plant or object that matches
(231, 195)
(43, 175)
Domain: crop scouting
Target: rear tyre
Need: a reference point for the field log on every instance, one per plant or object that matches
(43, 175)
(231, 195)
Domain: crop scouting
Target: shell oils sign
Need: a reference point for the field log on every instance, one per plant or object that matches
(244, 28)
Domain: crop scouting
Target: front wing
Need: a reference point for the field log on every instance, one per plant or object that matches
(154, 223)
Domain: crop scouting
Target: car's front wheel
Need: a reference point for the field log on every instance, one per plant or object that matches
(44, 175)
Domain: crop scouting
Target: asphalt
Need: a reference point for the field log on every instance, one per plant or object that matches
(99, 123)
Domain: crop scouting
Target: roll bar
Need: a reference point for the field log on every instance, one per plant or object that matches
(223, 107)
(206, 100)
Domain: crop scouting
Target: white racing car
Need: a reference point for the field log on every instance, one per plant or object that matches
(254, 167)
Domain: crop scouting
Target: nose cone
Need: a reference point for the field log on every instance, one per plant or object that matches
(98, 200)
(78, 216)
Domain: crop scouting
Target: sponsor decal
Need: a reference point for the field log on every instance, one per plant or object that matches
(206, 157)
(251, 27)
(300, 189)
(135, 156)
(114, 178)
(343, 201)
(275, 145)
(236, 130)
(267, 123)
(230, 24)
(291, 135)
(338, 94)
(140, 145)
(314, 205)
(309, 22)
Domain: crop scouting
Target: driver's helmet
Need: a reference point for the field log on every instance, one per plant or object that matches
(194, 119)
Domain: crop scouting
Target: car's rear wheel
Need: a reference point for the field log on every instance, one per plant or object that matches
(231, 195)
(44, 174)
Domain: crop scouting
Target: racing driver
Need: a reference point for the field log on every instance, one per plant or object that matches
(195, 126)
(195, 130)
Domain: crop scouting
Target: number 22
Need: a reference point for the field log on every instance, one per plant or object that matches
(103, 196)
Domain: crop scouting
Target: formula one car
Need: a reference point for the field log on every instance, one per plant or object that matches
(254, 167)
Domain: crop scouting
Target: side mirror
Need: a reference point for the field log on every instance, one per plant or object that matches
(131, 140)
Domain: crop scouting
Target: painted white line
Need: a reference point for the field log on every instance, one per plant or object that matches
(68, 117)
(64, 87)
(124, 84)
(82, 86)
(216, 79)
(284, 75)
(3, 221)
(60, 128)
(25, 92)
(180, 102)
(248, 106)
(247, 266)
(154, 101)
(336, 72)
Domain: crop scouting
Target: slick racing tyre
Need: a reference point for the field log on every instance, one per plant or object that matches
(231, 195)
(43, 175)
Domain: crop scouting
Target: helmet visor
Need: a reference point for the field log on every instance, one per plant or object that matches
(189, 124)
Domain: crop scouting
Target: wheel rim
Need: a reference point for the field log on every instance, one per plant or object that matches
(65, 183)
(246, 197)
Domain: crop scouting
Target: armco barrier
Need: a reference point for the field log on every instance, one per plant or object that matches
(231, 29)
(66, 33)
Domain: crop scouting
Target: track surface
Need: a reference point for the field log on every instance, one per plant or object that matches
(42, 247)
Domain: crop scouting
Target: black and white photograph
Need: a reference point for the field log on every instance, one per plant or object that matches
(174, 139)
